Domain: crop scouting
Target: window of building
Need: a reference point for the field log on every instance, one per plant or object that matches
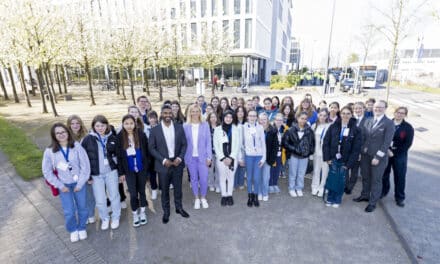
(225, 27)
(182, 8)
(173, 13)
(214, 26)
(183, 35)
(214, 7)
(237, 33)
(283, 54)
(248, 6)
(204, 28)
(193, 34)
(203, 8)
(248, 34)
(193, 8)
(237, 7)
(225, 7)
(284, 39)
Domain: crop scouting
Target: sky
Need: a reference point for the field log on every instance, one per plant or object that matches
(312, 19)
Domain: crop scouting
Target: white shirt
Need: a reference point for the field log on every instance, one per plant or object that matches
(195, 139)
(168, 133)
(359, 120)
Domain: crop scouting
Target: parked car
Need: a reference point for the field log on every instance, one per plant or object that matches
(346, 84)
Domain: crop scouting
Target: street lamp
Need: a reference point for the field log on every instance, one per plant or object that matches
(329, 47)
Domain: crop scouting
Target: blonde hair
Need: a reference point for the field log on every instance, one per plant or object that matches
(82, 131)
(189, 118)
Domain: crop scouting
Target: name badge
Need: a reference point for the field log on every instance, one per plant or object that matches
(131, 151)
(75, 178)
(225, 139)
(338, 156)
(346, 131)
(62, 166)
(106, 162)
(278, 153)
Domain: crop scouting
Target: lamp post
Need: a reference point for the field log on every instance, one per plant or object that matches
(328, 50)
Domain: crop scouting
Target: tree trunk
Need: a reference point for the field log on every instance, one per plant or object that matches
(146, 88)
(2, 83)
(14, 90)
(31, 80)
(49, 85)
(118, 83)
(160, 85)
(89, 79)
(211, 75)
(179, 86)
(63, 77)
(51, 96)
(23, 83)
(57, 75)
(121, 75)
(40, 83)
(130, 78)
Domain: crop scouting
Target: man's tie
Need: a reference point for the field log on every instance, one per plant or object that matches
(375, 122)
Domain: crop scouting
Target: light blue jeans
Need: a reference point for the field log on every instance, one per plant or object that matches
(110, 182)
(297, 171)
(264, 183)
(90, 200)
(74, 203)
(253, 173)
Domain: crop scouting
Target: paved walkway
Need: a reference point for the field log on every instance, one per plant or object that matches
(283, 230)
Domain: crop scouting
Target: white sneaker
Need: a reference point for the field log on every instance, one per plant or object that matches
(123, 205)
(136, 220)
(143, 218)
(328, 204)
(260, 197)
(91, 220)
(115, 223)
(212, 189)
(205, 204)
(197, 204)
(217, 190)
(74, 237)
(105, 224)
(314, 191)
(265, 198)
(171, 186)
(82, 234)
(292, 193)
(300, 193)
(335, 205)
(154, 194)
(241, 187)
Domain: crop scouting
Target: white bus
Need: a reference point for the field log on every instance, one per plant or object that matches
(368, 76)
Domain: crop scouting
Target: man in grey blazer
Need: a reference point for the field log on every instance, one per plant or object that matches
(379, 132)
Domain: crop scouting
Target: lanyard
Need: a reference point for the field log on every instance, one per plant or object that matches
(103, 143)
(322, 133)
(65, 154)
(254, 135)
(341, 135)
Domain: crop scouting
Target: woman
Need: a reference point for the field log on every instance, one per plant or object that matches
(281, 155)
(227, 149)
(209, 109)
(152, 174)
(320, 168)
(241, 169)
(65, 165)
(177, 112)
(341, 149)
(133, 159)
(322, 105)
(213, 178)
(333, 112)
(288, 115)
(215, 101)
(100, 145)
(79, 132)
(299, 142)
(198, 156)
(224, 106)
(267, 108)
(271, 142)
(234, 103)
(306, 106)
(241, 102)
(287, 100)
(254, 146)
(275, 103)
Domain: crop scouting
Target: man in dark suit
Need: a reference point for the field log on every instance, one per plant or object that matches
(378, 136)
(167, 144)
(353, 173)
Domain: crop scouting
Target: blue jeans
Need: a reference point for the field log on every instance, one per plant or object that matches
(253, 173)
(239, 176)
(297, 170)
(109, 181)
(74, 203)
(264, 184)
(90, 200)
(336, 170)
(275, 172)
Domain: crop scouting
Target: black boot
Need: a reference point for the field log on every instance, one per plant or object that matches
(250, 199)
(231, 201)
(255, 199)
(223, 201)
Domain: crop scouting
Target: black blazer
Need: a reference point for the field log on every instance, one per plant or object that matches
(403, 138)
(350, 146)
(158, 146)
(272, 145)
(122, 154)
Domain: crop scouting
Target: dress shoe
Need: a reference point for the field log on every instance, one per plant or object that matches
(182, 213)
(361, 199)
(370, 208)
(250, 199)
(400, 203)
(223, 201)
(165, 218)
(230, 201)
(347, 191)
(255, 200)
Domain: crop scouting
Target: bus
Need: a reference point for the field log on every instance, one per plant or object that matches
(368, 76)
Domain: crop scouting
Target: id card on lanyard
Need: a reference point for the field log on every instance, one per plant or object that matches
(344, 133)
(103, 143)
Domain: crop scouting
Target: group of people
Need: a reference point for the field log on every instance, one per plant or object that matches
(222, 144)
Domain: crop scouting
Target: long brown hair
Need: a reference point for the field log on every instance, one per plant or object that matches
(309, 111)
(55, 145)
(125, 143)
(82, 131)
(139, 121)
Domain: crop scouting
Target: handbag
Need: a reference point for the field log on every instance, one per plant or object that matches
(336, 177)
(55, 191)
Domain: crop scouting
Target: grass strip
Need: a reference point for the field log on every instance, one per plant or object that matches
(24, 155)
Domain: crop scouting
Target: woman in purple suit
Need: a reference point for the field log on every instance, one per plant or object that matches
(198, 154)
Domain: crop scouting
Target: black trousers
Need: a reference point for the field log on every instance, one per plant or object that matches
(136, 187)
(399, 166)
(172, 175)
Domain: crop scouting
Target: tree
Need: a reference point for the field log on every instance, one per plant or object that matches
(399, 18)
(353, 57)
(367, 38)
(2, 83)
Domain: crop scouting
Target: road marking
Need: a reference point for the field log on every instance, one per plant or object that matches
(409, 103)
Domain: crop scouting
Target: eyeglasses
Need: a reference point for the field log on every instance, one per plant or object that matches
(143, 101)
(401, 113)
(60, 133)
(379, 107)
